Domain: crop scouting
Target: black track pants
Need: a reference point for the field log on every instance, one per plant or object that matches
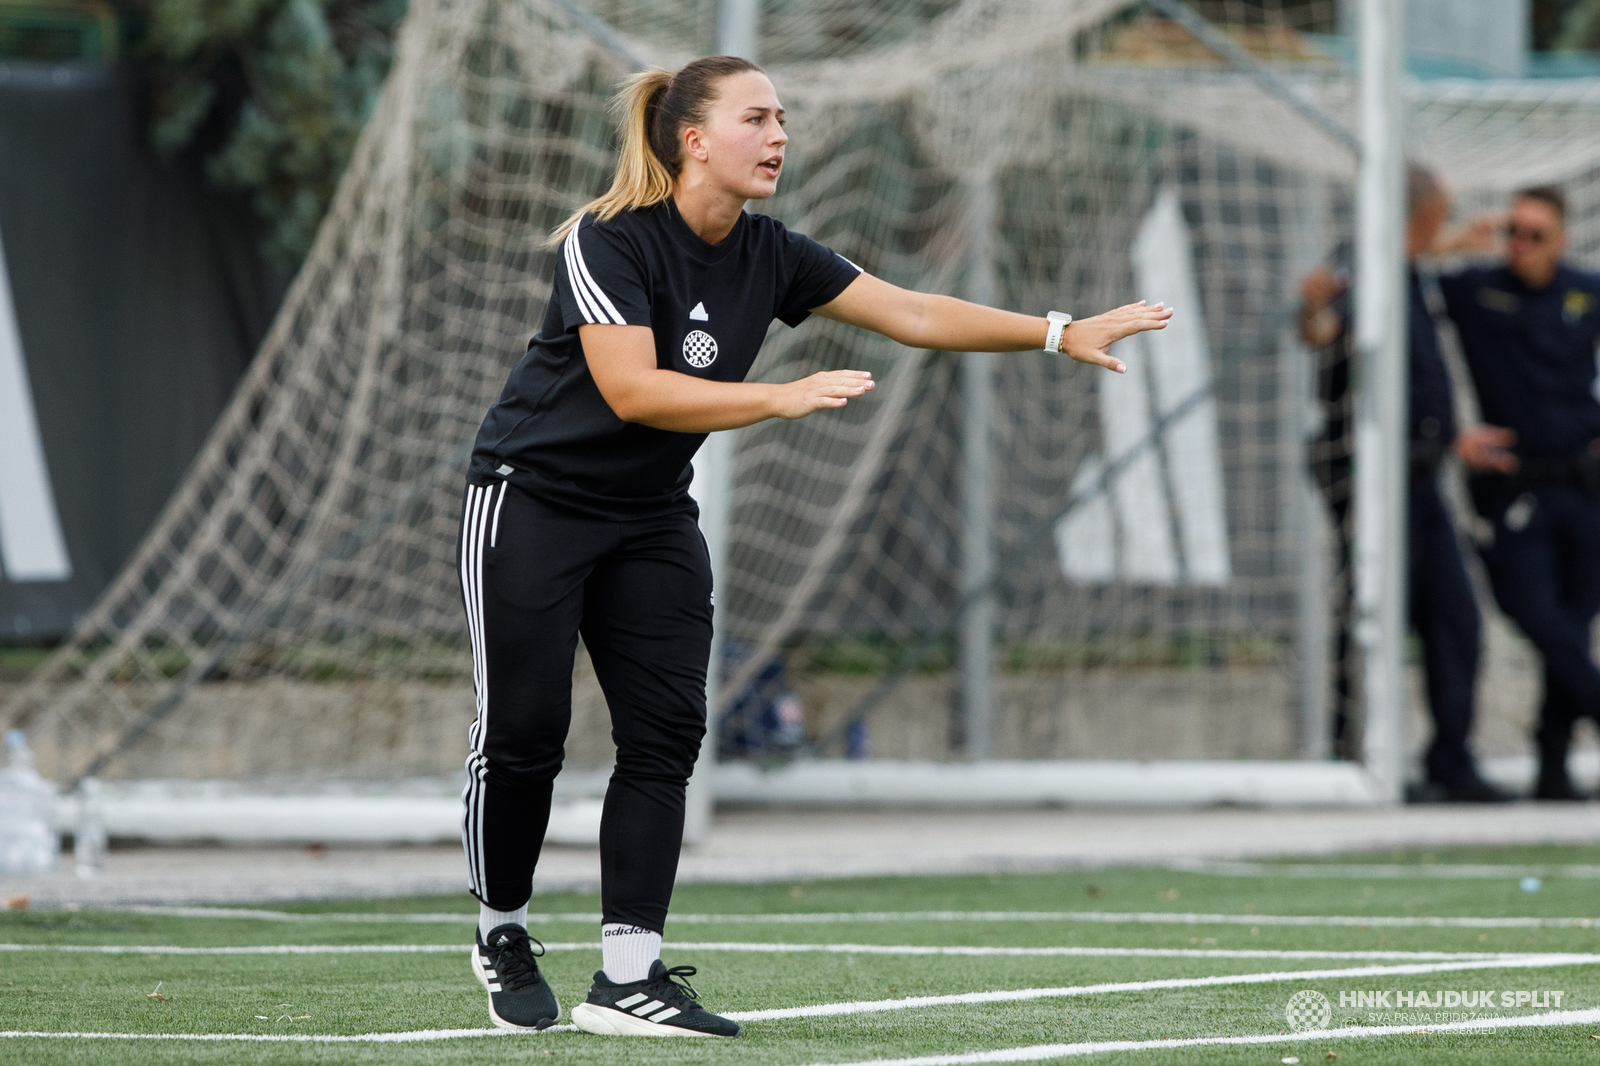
(1545, 569)
(1444, 611)
(533, 578)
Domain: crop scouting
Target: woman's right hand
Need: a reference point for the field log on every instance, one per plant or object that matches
(1089, 340)
(827, 388)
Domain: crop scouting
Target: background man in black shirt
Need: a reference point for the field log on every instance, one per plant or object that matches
(1442, 606)
(1528, 330)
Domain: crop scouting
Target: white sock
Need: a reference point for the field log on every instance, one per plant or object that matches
(626, 952)
(489, 918)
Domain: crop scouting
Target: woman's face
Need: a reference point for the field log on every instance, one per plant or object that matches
(740, 143)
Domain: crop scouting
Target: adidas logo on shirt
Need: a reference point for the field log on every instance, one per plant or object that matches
(699, 313)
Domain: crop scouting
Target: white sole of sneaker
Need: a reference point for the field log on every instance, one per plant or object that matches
(499, 1022)
(603, 1021)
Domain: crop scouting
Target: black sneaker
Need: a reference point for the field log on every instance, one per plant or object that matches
(1472, 789)
(657, 1006)
(1557, 787)
(1475, 790)
(519, 996)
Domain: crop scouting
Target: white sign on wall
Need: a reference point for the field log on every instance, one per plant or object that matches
(31, 545)
(1159, 518)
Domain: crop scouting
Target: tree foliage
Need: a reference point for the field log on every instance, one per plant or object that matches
(1580, 26)
(272, 94)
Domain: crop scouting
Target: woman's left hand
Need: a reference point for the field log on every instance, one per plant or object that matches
(1089, 340)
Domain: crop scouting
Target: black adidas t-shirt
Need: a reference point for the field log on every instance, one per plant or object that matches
(709, 305)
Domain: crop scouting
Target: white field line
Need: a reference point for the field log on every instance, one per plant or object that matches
(264, 949)
(1040, 1052)
(1031, 1053)
(1021, 994)
(786, 949)
(401, 918)
(1385, 871)
(1359, 921)
(413, 1036)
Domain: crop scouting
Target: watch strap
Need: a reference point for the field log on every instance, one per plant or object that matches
(1059, 321)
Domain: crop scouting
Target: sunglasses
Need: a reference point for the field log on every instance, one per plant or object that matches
(1532, 236)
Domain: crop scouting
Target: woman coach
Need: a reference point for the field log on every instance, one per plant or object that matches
(578, 517)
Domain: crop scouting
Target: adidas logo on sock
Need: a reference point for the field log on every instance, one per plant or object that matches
(625, 930)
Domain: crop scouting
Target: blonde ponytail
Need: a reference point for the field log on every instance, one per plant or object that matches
(652, 110)
(642, 180)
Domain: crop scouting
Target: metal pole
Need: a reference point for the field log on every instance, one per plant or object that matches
(975, 635)
(738, 34)
(1308, 211)
(739, 28)
(1381, 404)
(713, 490)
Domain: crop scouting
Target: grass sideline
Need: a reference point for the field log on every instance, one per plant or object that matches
(363, 993)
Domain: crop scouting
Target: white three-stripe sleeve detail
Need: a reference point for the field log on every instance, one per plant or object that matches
(594, 287)
(590, 310)
(494, 529)
(584, 304)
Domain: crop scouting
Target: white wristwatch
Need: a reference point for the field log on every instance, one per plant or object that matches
(1059, 321)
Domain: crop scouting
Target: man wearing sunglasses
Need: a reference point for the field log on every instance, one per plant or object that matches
(1529, 330)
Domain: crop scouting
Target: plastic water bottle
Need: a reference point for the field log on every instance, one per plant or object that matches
(28, 839)
(89, 838)
(858, 740)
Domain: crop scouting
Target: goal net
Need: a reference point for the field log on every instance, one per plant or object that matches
(1153, 557)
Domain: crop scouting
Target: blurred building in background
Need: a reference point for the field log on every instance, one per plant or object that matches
(131, 300)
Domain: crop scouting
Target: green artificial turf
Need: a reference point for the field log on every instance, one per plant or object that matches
(365, 993)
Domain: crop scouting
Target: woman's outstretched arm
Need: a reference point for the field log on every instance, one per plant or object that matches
(943, 323)
(622, 361)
